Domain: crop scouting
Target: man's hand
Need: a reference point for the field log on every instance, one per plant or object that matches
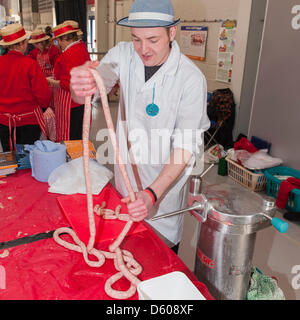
(139, 209)
(82, 82)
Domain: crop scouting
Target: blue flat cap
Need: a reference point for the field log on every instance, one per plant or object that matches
(150, 14)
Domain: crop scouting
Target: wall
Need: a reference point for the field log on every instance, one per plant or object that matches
(276, 113)
(207, 10)
(101, 17)
(30, 16)
(256, 24)
(47, 19)
(46, 10)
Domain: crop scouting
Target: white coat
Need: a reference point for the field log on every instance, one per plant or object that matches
(180, 93)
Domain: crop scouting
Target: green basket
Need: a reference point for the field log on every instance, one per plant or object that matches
(273, 183)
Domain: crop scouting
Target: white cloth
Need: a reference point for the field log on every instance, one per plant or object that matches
(260, 160)
(180, 94)
(69, 177)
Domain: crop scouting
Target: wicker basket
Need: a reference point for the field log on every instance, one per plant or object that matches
(253, 181)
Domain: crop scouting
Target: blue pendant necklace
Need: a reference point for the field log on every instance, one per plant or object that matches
(152, 109)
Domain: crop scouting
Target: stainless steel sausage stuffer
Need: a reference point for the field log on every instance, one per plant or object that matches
(198, 207)
(229, 218)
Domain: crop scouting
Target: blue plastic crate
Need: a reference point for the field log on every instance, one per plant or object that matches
(273, 183)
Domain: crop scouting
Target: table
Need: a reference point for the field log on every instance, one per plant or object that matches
(43, 270)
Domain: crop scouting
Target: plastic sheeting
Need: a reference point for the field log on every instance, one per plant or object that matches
(27, 207)
(75, 209)
(44, 270)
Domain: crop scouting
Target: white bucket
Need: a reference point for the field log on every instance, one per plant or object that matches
(171, 286)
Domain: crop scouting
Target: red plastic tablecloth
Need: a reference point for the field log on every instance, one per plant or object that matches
(44, 270)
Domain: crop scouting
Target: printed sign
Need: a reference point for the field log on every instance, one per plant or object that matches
(225, 50)
(193, 41)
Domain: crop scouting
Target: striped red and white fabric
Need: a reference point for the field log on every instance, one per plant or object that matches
(50, 125)
(45, 64)
(62, 102)
(43, 59)
(38, 112)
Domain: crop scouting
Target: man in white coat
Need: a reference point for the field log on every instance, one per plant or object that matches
(161, 117)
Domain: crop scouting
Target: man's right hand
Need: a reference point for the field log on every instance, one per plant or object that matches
(82, 83)
(139, 209)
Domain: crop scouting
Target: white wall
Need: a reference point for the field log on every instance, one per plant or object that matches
(207, 10)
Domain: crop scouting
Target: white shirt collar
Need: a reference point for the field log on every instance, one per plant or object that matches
(70, 45)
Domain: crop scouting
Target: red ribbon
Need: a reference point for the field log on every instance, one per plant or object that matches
(39, 36)
(14, 36)
(63, 29)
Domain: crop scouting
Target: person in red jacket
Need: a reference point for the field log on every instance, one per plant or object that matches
(47, 53)
(23, 91)
(32, 53)
(68, 114)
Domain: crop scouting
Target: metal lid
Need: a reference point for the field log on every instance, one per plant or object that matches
(236, 205)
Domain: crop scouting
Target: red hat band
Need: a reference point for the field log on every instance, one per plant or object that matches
(62, 30)
(14, 36)
(39, 36)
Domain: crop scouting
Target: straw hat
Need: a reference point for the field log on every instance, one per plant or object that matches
(12, 34)
(38, 35)
(150, 14)
(64, 28)
(75, 25)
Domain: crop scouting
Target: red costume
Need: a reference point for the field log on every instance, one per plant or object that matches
(74, 55)
(23, 91)
(33, 53)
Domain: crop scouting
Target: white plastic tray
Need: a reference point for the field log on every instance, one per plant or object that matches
(171, 286)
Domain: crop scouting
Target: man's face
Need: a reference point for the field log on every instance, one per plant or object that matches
(152, 44)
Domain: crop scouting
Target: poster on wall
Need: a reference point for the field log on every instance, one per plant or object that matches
(226, 42)
(193, 41)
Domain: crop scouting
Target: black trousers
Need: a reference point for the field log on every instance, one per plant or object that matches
(76, 123)
(24, 135)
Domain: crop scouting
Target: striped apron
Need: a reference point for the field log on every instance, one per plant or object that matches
(62, 102)
(44, 62)
(14, 118)
(50, 125)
